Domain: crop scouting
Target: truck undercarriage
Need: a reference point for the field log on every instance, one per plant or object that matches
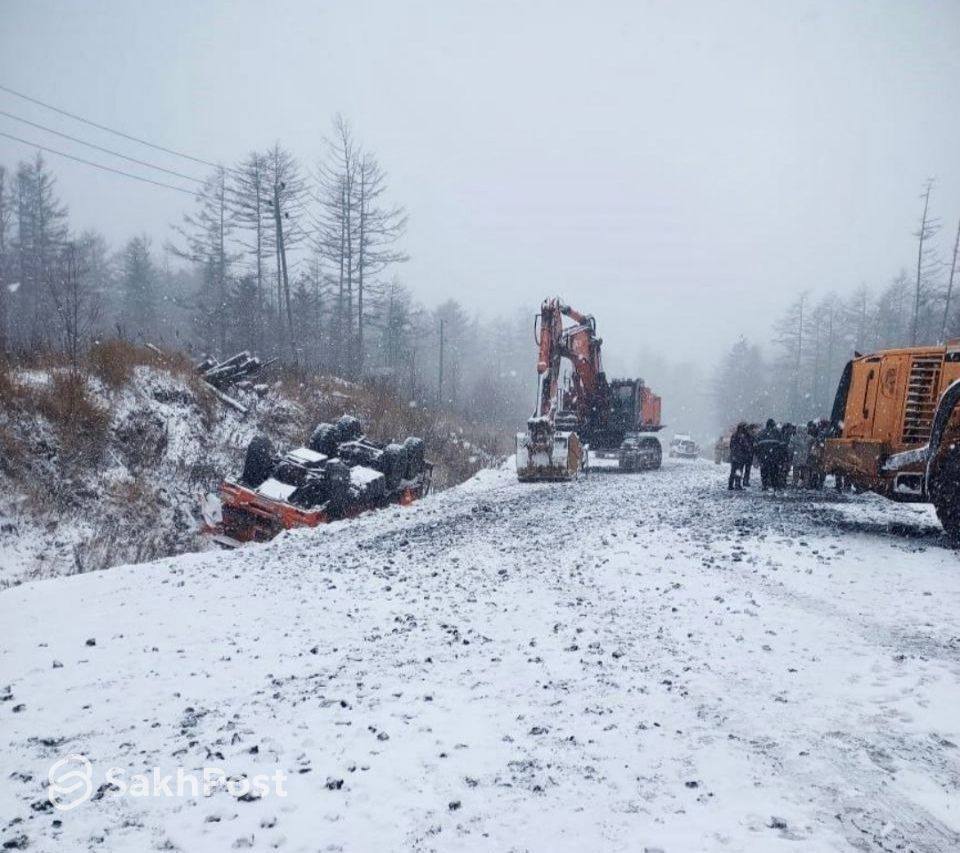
(340, 474)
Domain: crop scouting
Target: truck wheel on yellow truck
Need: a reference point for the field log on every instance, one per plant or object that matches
(896, 427)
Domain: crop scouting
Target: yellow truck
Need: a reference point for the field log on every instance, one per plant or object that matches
(896, 427)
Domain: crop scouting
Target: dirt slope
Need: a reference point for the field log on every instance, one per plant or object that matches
(105, 469)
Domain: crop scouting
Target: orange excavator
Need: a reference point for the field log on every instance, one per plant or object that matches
(613, 420)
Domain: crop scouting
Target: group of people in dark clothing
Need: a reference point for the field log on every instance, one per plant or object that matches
(778, 451)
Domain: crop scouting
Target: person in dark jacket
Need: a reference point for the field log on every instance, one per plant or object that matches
(787, 431)
(822, 431)
(741, 457)
(751, 436)
(768, 447)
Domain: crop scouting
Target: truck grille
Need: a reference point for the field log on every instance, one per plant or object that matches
(921, 399)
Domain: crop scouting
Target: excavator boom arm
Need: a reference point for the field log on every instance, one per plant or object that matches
(590, 410)
(580, 345)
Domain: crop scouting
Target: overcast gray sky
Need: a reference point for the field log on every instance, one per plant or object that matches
(677, 169)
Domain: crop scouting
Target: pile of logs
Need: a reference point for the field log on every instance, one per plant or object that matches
(236, 371)
(238, 368)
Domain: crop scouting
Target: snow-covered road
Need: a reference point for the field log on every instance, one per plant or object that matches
(621, 663)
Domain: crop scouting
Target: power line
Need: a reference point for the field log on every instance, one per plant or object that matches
(97, 165)
(75, 117)
(235, 192)
(101, 148)
(227, 189)
(243, 199)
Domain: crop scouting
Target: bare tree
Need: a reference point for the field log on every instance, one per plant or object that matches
(337, 172)
(251, 203)
(379, 229)
(830, 338)
(859, 318)
(789, 335)
(451, 336)
(928, 228)
(949, 293)
(76, 304)
(357, 235)
(287, 190)
(41, 232)
(205, 235)
(312, 336)
(6, 223)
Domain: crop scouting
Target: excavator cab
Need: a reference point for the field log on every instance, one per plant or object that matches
(624, 405)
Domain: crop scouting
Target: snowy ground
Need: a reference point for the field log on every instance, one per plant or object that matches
(626, 662)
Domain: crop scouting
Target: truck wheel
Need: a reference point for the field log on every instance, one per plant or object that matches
(945, 490)
(324, 440)
(259, 462)
(656, 456)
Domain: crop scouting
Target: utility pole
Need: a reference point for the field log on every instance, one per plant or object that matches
(953, 269)
(440, 374)
(282, 258)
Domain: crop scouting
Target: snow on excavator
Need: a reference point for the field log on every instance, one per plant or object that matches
(340, 474)
(616, 420)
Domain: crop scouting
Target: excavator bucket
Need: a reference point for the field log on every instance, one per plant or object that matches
(545, 454)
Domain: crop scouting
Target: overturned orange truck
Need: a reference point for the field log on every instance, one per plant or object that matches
(896, 427)
(339, 474)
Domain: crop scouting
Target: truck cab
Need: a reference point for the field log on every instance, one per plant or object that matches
(892, 412)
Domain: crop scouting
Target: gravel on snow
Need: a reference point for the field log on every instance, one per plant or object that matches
(621, 663)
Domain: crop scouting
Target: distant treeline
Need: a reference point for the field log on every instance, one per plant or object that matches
(291, 261)
(814, 338)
